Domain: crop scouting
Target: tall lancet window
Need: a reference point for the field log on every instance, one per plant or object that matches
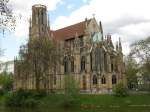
(103, 80)
(37, 17)
(72, 64)
(42, 17)
(55, 80)
(105, 62)
(94, 80)
(82, 63)
(98, 59)
(114, 79)
(65, 64)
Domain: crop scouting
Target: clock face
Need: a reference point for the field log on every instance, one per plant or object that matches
(96, 37)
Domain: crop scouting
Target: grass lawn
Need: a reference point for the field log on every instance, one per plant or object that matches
(95, 103)
(108, 100)
(103, 101)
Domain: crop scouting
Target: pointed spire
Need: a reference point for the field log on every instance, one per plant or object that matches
(30, 22)
(120, 46)
(48, 22)
(101, 29)
(30, 26)
(86, 24)
(117, 46)
(93, 15)
(105, 37)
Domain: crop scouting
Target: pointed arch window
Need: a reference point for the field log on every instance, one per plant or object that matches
(105, 62)
(114, 79)
(82, 63)
(72, 64)
(98, 61)
(112, 67)
(103, 80)
(65, 64)
(55, 80)
(42, 17)
(94, 80)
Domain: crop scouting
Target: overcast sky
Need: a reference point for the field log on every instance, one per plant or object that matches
(127, 19)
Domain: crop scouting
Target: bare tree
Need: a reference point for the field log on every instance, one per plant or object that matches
(7, 19)
(141, 51)
(42, 58)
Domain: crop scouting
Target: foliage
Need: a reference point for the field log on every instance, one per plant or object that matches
(6, 81)
(131, 70)
(120, 89)
(7, 19)
(71, 92)
(141, 51)
(91, 101)
(24, 98)
(71, 86)
(69, 102)
(2, 92)
(39, 58)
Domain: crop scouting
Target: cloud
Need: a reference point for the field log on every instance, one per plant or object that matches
(70, 6)
(128, 19)
(85, 1)
(22, 11)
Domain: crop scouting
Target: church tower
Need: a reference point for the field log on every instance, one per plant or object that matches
(39, 24)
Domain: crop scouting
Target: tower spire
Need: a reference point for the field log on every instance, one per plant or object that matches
(30, 26)
(48, 22)
(120, 45)
(101, 29)
(30, 21)
(117, 46)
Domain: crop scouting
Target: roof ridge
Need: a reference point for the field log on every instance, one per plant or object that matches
(69, 32)
(73, 24)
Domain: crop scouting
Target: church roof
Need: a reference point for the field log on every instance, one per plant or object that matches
(69, 32)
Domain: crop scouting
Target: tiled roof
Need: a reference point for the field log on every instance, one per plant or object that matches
(70, 31)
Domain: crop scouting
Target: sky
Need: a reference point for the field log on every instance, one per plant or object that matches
(127, 19)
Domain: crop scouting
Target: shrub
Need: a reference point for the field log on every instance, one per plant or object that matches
(38, 94)
(6, 81)
(120, 90)
(24, 98)
(11, 99)
(69, 102)
(2, 92)
(71, 92)
(31, 102)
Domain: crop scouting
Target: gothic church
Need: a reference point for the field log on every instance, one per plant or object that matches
(89, 56)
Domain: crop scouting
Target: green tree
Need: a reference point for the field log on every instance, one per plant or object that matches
(71, 86)
(131, 69)
(141, 51)
(120, 89)
(6, 81)
(71, 92)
